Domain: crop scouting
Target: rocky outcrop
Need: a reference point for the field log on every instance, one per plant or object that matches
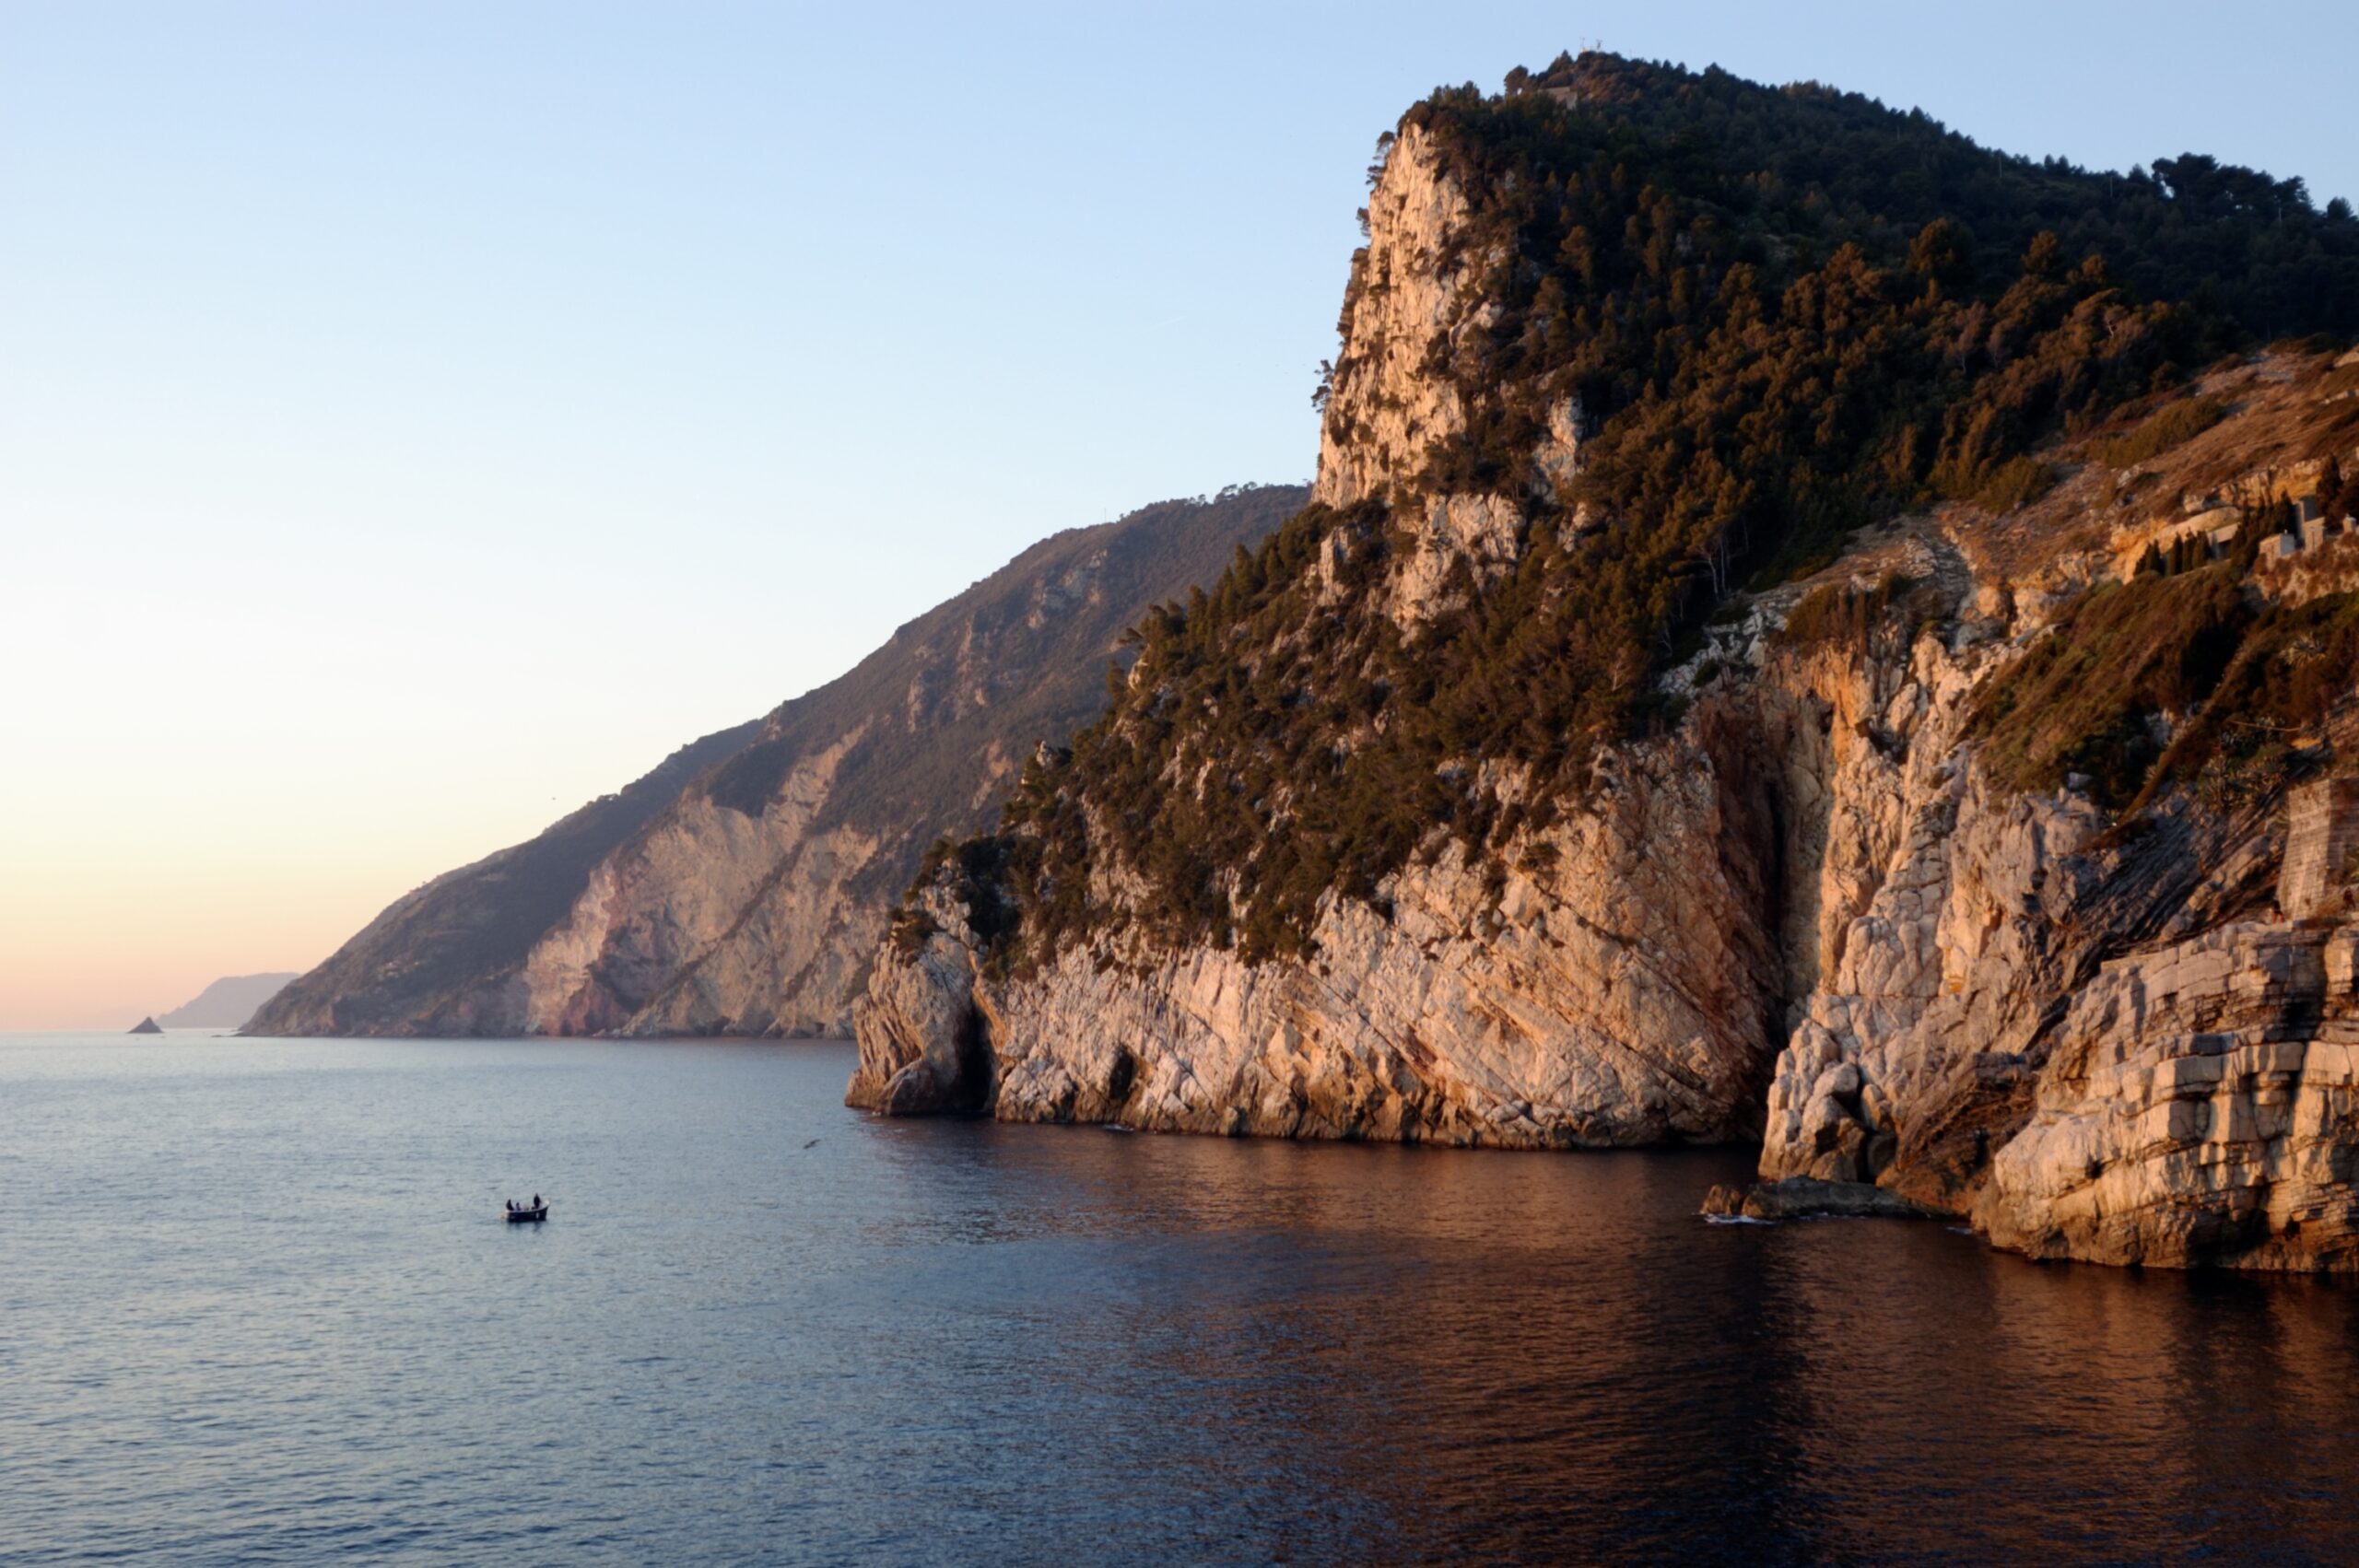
(1609, 991)
(1408, 297)
(1950, 966)
(925, 1049)
(741, 887)
(2201, 1104)
(1804, 1198)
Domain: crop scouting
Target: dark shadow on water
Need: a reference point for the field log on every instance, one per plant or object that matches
(1543, 1357)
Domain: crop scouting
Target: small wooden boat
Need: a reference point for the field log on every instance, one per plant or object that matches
(518, 1216)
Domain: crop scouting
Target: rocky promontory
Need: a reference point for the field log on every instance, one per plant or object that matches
(1641, 738)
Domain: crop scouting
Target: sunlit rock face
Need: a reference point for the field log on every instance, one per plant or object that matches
(1410, 292)
(2200, 1106)
(1617, 980)
(1613, 997)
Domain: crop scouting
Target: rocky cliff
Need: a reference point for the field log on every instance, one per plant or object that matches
(740, 888)
(1576, 771)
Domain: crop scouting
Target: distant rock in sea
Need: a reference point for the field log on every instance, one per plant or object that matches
(146, 1026)
(227, 1003)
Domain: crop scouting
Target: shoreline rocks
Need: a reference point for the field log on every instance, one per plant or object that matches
(1805, 1197)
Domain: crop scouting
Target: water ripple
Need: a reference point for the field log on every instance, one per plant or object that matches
(258, 1304)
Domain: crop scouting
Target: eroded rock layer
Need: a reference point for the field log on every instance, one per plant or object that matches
(2201, 1103)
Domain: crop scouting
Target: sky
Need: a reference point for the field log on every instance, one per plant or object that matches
(416, 419)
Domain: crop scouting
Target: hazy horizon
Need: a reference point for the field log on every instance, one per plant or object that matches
(422, 422)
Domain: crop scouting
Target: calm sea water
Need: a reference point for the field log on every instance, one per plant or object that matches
(257, 1304)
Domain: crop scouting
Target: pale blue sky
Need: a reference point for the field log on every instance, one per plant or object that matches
(418, 418)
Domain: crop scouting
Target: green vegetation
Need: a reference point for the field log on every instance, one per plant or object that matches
(2018, 482)
(2087, 697)
(1816, 167)
(1782, 314)
(2183, 652)
(2272, 705)
(2174, 424)
(1841, 614)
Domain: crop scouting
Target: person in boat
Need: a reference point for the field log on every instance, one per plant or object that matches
(512, 1205)
(536, 1200)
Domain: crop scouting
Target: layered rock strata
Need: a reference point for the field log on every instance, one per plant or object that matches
(2201, 1104)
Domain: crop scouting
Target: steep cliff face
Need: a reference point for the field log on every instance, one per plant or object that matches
(1598, 986)
(2110, 1030)
(2201, 1103)
(1611, 990)
(740, 888)
(1865, 864)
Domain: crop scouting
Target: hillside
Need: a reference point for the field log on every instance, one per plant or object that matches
(739, 887)
(227, 1004)
(1718, 689)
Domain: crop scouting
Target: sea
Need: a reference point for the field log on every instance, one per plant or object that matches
(259, 1304)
